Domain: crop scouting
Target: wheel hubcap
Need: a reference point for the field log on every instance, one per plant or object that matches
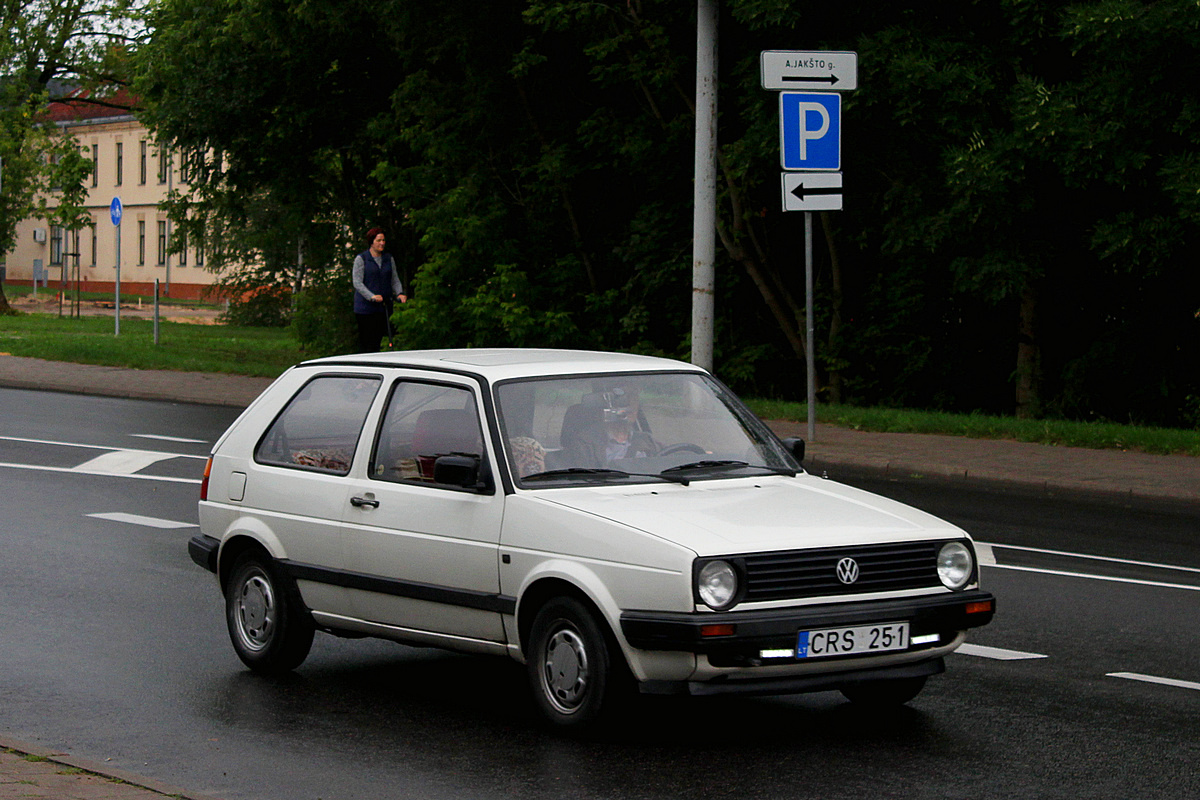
(565, 671)
(256, 612)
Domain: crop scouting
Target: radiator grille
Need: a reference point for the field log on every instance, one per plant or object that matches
(814, 573)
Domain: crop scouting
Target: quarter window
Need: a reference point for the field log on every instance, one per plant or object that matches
(319, 428)
(424, 421)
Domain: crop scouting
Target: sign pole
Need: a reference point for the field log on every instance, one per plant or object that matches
(809, 348)
(116, 211)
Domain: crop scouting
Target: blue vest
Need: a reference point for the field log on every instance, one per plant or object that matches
(378, 280)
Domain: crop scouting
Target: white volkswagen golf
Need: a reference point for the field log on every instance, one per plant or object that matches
(611, 521)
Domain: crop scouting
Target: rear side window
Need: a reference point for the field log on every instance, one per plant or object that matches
(320, 426)
(424, 421)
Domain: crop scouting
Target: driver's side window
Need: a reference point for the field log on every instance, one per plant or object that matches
(422, 422)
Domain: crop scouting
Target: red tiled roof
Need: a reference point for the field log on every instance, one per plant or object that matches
(79, 106)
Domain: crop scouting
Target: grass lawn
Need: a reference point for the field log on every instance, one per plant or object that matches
(263, 352)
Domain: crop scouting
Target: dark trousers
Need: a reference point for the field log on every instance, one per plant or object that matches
(371, 330)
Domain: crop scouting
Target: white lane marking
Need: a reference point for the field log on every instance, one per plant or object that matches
(77, 471)
(1092, 558)
(1134, 676)
(95, 447)
(138, 519)
(168, 438)
(1110, 578)
(997, 653)
(122, 462)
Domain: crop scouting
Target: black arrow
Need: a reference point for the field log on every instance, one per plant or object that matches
(800, 191)
(832, 79)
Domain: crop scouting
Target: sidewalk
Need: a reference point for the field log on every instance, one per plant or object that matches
(1113, 474)
(30, 772)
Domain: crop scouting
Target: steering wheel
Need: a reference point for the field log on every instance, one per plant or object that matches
(682, 447)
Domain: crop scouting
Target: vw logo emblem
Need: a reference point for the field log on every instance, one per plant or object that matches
(847, 570)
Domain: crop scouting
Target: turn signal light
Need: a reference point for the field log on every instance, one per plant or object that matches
(980, 607)
(717, 630)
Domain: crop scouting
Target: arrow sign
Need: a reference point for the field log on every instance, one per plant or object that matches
(812, 191)
(814, 70)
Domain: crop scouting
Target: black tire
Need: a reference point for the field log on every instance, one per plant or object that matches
(270, 629)
(575, 670)
(885, 693)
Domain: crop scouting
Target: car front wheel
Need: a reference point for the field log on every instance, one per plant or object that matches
(270, 629)
(573, 667)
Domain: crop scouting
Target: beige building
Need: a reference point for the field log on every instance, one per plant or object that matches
(129, 166)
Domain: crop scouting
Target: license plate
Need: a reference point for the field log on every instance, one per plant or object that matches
(852, 641)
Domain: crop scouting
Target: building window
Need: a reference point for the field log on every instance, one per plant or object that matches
(200, 254)
(92, 228)
(162, 242)
(56, 245)
(142, 162)
(120, 162)
(182, 234)
(164, 164)
(141, 242)
(95, 165)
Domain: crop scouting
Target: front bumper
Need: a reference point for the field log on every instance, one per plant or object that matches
(741, 636)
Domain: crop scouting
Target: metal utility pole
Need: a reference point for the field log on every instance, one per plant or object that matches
(704, 219)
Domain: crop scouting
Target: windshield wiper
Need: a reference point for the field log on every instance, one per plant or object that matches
(600, 471)
(729, 464)
(706, 464)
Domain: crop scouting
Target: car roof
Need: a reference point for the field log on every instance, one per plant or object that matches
(496, 364)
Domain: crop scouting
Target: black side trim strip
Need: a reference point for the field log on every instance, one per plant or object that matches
(483, 601)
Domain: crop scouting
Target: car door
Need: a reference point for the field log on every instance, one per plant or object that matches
(425, 555)
(296, 486)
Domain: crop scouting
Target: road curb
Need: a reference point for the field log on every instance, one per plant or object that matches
(97, 768)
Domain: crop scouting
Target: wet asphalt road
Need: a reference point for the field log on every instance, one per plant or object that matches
(113, 646)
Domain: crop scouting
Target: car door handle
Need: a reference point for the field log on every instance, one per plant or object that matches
(363, 502)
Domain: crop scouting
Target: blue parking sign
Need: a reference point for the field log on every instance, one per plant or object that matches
(810, 131)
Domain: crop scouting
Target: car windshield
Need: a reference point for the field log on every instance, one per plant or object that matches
(640, 427)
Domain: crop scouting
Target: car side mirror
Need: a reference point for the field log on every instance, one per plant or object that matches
(795, 446)
(457, 470)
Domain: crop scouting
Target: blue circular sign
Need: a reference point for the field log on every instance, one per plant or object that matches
(114, 211)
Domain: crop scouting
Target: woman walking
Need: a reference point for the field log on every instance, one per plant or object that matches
(375, 284)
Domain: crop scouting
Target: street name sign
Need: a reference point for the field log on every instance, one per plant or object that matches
(803, 70)
(812, 191)
(810, 131)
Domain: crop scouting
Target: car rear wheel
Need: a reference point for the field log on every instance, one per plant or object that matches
(270, 629)
(574, 668)
(892, 692)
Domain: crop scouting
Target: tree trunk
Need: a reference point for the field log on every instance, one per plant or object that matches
(5, 308)
(1029, 358)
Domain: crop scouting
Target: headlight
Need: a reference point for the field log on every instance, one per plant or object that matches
(955, 565)
(716, 584)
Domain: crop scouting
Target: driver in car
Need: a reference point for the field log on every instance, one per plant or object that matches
(623, 437)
